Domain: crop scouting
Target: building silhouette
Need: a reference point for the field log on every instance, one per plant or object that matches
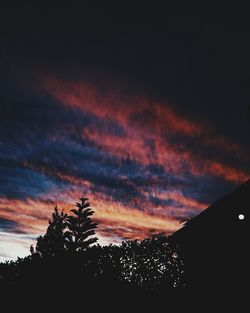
(214, 245)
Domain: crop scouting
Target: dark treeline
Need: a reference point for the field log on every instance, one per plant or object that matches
(67, 257)
(68, 268)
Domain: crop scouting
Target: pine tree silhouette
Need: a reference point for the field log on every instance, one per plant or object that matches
(80, 227)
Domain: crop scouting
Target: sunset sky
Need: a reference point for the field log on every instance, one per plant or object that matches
(144, 111)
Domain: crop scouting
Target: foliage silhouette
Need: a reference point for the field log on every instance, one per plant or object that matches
(67, 232)
(65, 256)
(80, 227)
(150, 262)
(53, 242)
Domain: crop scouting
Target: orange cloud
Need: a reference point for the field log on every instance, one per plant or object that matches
(179, 198)
(148, 126)
(126, 111)
(33, 215)
(226, 172)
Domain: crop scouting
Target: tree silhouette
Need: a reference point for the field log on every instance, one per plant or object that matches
(80, 227)
(53, 242)
(68, 232)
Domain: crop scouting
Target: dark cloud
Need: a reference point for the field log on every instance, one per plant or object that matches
(214, 145)
(7, 225)
(22, 183)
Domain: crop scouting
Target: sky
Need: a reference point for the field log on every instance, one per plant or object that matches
(144, 110)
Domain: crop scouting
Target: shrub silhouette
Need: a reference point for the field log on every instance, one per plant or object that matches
(151, 263)
(53, 242)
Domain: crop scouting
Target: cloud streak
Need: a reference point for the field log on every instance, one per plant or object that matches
(143, 164)
(148, 126)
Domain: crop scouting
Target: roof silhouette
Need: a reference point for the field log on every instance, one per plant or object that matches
(225, 211)
(214, 244)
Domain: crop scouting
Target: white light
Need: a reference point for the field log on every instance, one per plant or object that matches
(241, 217)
